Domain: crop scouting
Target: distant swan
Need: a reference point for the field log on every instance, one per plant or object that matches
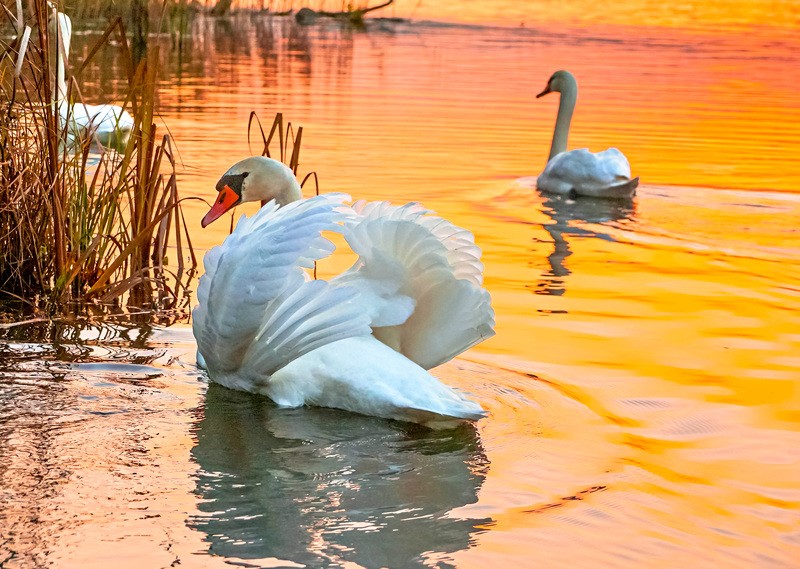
(579, 172)
(109, 125)
(363, 340)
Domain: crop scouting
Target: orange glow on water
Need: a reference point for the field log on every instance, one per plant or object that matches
(643, 385)
(660, 333)
(688, 14)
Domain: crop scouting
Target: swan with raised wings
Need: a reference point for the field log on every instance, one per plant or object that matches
(109, 125)
(605, 174)
(363, 340)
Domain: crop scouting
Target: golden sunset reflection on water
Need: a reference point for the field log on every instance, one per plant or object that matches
(643, 385)
(686, 14)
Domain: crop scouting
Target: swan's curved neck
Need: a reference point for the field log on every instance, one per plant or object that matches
(291, 192)
(63, 32)
(61, 82)
(566, 106)
(268, 179)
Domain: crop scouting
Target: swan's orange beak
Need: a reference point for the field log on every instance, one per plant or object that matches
(545, 92)
(226, 199)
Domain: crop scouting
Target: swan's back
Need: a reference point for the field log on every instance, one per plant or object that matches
(581, 172)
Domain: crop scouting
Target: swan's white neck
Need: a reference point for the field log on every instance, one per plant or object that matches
(290, 192)
(566, 106)
(63, 33)
(275, 181)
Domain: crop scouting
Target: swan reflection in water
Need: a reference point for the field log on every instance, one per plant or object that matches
(567, 217)
(319, 486)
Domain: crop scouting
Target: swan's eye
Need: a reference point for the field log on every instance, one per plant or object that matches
(245, 174)
(221, 199)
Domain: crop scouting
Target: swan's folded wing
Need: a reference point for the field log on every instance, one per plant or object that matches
(419, 279)
(581, 168)
(614, 165)
(255, 292)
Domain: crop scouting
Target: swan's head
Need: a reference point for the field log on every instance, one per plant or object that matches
(560, 81)
(254, 179)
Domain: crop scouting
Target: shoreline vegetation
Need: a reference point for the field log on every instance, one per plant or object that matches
(86, 228)
(173, 16)
(82, 225)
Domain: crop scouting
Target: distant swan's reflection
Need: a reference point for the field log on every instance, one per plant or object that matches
(565, 212)
(321, 486)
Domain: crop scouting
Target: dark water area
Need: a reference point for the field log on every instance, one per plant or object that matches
(642, 389)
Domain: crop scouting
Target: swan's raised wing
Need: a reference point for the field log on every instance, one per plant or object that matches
(460, 250)
(257, 310)
(419, 279)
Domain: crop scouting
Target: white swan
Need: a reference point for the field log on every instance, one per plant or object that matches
(605, 174)
(361, 341)
(109, 125)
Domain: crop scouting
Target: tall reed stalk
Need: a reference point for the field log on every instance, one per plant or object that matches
(75, 224)
(287, 137)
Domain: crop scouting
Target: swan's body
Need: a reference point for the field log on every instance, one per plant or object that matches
(605, 174)
(109, 125)
(361, 341)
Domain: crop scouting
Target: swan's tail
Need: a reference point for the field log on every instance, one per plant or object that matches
(420, 279)
(626, 189)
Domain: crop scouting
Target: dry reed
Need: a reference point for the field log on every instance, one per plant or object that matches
(75, 226)
(288, 138)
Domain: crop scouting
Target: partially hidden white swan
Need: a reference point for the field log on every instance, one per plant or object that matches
(109, 125)
(605, 174)
(363, 340)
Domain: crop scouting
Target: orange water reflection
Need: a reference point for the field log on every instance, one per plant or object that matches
(379, 109)
(643, 385)
(666, 326)
(686, 14)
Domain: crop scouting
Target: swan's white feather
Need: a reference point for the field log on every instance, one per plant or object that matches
(420, 281)
(462, 253)
(256, 310)
(605, 174)
(262, 326)
(362, 374)
(586, 173)
(110, 125)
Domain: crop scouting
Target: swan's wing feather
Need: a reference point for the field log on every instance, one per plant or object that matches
(102, 118)
(419, 279)
(305, 316)
(460, 250)
(380, 275)
(614, 162)
(463, 254)
(254, 290)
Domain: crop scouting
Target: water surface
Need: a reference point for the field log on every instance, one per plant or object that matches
(642, 389)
